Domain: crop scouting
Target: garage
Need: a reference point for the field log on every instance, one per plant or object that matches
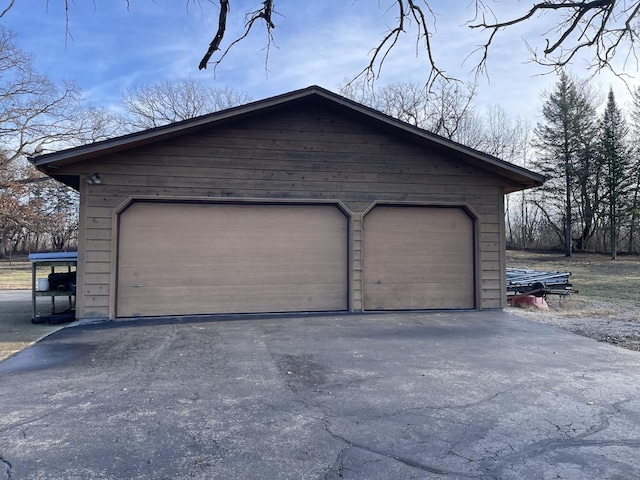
(418, 258)
(179, 258)
(302, 202)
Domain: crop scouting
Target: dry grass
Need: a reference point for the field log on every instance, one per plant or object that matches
(16, 275)
(607, 307)
(598, 279)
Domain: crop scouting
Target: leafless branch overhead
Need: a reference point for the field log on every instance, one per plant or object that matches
(265, 13)
(217, 39)
(596, 28)
(599, 30)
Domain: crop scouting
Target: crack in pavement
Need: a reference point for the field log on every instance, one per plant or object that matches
(338, 466)
(543, 446)
(8, 468)
(404, 460)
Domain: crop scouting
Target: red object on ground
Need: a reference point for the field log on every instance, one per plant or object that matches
(530, 301)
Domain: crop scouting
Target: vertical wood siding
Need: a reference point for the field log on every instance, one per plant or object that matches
(311, 153)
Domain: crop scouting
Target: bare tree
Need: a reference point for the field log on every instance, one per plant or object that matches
(405, 101)
(509, 139)
(598, 29)
(150, 106)
(445, 109)
(505, 137)
(454, 112)
(36, 115)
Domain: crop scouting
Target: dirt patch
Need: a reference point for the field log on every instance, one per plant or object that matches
(607, 307)
(604, 323)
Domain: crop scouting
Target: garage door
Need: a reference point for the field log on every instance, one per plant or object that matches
(418, 258)
(176, 259)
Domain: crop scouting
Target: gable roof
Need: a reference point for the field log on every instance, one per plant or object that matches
(520, 178)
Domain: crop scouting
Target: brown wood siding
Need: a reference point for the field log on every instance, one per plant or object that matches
(81, 277)
(292, 154)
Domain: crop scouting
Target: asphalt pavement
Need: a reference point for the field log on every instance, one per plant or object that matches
(16, 330)
(461, 395)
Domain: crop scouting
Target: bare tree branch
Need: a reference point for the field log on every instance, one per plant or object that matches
(8, 7)
(217, 39)
(597, 25)
(599, 28)
(408, 11)
(265, 13)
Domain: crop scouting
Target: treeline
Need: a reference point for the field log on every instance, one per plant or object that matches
(38, 214)
(591, 199)
(38, 116)
(586, 147)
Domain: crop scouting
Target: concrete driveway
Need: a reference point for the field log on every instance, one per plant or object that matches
(432, 396)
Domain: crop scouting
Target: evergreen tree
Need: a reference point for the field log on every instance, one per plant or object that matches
(634, 151)
(616, 162)
(566, 156)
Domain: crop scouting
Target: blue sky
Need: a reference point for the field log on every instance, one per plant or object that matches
(111, 47)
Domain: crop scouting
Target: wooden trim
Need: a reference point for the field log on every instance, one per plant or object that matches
(503, 255)
(117, 212)
(477, 256)
(82, 243)
(231, 201)
(357, 284)
(468, 208)
(113, 278)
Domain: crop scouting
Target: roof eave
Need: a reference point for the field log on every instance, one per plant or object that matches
(521, 177)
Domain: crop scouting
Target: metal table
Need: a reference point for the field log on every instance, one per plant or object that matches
(52, 260)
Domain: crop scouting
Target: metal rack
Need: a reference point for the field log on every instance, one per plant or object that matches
(538, 283)
(52, 260)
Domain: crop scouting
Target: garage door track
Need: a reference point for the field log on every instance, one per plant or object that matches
(434, 396)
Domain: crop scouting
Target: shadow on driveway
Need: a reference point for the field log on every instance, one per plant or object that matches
(440, 396)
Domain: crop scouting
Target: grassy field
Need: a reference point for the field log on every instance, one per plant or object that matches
(607, 307)
(16, 275)
(603, 284)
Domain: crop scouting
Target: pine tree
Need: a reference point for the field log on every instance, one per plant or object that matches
(616, 163)
(566, 156)
(634, 151)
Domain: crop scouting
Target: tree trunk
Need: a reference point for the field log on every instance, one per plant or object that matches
(4, 237)
(523, 220)
(568, 219)
(633, 219)
(613, 230)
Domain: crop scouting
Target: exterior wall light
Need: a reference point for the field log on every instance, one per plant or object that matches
(94, 179)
